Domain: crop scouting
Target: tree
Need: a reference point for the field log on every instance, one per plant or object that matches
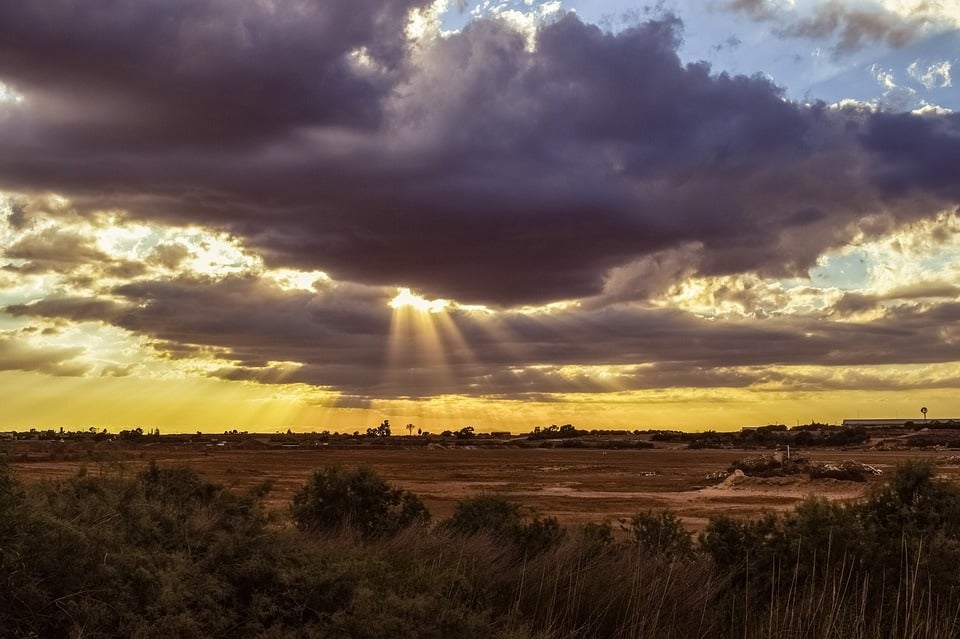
(383, 430)
(335, 499)
(410, 428)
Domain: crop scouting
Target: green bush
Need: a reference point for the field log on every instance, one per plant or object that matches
(911, 527)
(661, 533)
(492, 513)
(496, 515)
(336, 499)
(165, 554)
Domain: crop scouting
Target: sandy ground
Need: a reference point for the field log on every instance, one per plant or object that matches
(574, 485)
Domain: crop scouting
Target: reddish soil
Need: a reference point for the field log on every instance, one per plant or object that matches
(574, 485)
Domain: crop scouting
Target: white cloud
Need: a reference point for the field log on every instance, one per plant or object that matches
(927, 250)
(945, 11)
(424, 24)
(895, 96)
(934, 76)
(8, 94)
(526, 18)
(931, 109)
(920, 256)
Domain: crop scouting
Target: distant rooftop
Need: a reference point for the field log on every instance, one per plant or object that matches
(913, 421)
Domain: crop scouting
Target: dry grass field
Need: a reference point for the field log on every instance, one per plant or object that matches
(573, 485)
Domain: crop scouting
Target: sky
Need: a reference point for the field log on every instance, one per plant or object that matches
(320, 214)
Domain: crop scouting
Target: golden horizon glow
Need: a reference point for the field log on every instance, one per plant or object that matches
(212, 406)
(79, 372)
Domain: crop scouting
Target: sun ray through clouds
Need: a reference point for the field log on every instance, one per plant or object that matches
(417, 360)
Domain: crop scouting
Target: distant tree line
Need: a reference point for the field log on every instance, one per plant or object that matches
(769, 436)
(556, 432)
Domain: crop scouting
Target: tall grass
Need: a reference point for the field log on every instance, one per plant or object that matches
(850, 603)
(165, 554)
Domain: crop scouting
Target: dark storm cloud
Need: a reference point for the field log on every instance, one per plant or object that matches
(146, 75)
(468, 167)
(340, 338)
(917, 155)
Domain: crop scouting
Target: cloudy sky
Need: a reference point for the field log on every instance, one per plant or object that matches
(319, 214)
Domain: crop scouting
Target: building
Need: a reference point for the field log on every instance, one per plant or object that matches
(899, 423)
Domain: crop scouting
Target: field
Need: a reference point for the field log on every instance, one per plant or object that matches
(573, 485)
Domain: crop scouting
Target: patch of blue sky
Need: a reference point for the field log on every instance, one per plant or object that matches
(24, 290)
(806, 69)
(942, 261)
(848, 271)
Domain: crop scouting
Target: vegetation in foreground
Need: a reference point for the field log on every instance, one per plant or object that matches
(165, 554)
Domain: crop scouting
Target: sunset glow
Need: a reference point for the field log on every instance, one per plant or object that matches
(500, 215)
(406, 299)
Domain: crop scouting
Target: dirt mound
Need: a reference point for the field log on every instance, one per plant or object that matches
(732, 479)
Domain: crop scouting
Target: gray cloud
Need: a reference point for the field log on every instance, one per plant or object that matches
(850, 27)
(53, 247)
(470, 168)
(155, 76)
(68, 254)
(341, 339)
(937, 292)
(916, 156)
(58, 361)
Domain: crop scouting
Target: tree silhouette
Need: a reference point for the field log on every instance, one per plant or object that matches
(383, 430)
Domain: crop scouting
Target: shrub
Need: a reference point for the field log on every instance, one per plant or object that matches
(597, 539)
(911, 527)
(485, 512)
(914, 503)
(336, 499)
(537, 535)
(175, 485)
(661, 534)
(497, 515)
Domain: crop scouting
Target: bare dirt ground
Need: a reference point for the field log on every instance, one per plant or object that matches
(574, 485)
